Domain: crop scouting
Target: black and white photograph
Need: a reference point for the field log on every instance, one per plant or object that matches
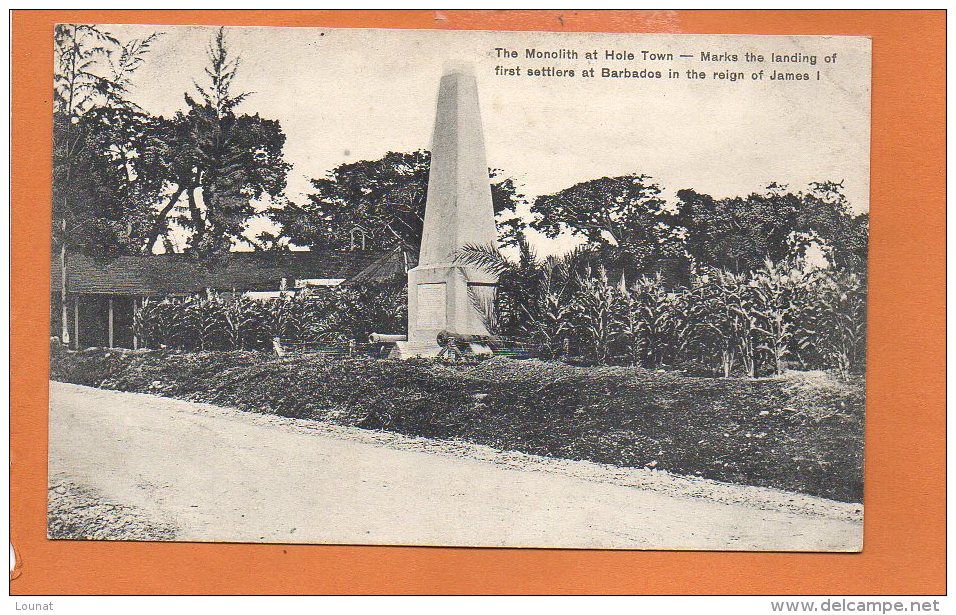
(458, 288)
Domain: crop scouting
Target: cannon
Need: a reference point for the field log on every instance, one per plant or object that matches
(386, 338)
(452, 345)
(455, 345)
(448, 337)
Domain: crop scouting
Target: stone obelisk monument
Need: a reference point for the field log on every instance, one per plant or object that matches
(458, 213)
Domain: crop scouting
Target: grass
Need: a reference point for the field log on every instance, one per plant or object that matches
(801, 432)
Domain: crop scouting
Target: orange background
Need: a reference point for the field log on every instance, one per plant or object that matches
(904, 549)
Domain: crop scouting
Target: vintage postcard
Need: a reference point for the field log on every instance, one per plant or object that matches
(462, 288)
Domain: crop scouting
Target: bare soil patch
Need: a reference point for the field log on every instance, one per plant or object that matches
(76, 512)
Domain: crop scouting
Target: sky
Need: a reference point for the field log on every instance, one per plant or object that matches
(347, 95)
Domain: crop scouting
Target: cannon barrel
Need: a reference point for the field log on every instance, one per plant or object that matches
(387, 338)
(447, 337)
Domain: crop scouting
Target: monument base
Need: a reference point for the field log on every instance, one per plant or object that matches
(410, 350)
(441, 300)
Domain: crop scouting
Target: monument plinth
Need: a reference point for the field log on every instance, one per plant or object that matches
(458, 213)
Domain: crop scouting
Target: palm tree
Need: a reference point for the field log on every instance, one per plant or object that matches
(533, 294)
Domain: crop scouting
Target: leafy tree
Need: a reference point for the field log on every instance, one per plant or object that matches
(826, 214)
(220, 160)
(624, 217)
(850, 248)
(104, 153)
(737, 233)
(386, 198)
(115, 177)
(740, 233)
(81, 51)
(121, 175)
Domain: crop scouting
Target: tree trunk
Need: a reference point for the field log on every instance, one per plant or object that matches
(160, 223)
(64, 318)
(198, 222)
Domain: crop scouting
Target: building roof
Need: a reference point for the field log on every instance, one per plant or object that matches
(388, 268)
(175, 274)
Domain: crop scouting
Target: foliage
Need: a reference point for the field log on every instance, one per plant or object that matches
(831, 326)
(652, 317)
(224, 160)
(624, 216)
(226, 322)
(120, 174)
(721, 326)
(105, 150)
(354, 312)
(80, 52)
(776, 291)
(592, 316)
(386, 198)
(721, 321)
(740, 233)
(210, 322)
(533, 295)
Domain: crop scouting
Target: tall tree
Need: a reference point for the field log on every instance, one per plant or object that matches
(97, 178)
(827, 218)
(103, 164)
(386, 198)
(740, 233)
(81, 53)
(221, 161)
(623, 217)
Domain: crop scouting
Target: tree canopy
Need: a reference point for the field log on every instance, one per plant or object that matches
(624, 217)
(127, 181)
(739, 233)
(121, 174)
(385, 197)
(223, 161)
(105, 152)
(626, 220)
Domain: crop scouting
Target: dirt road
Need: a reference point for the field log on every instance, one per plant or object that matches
(218, 474)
